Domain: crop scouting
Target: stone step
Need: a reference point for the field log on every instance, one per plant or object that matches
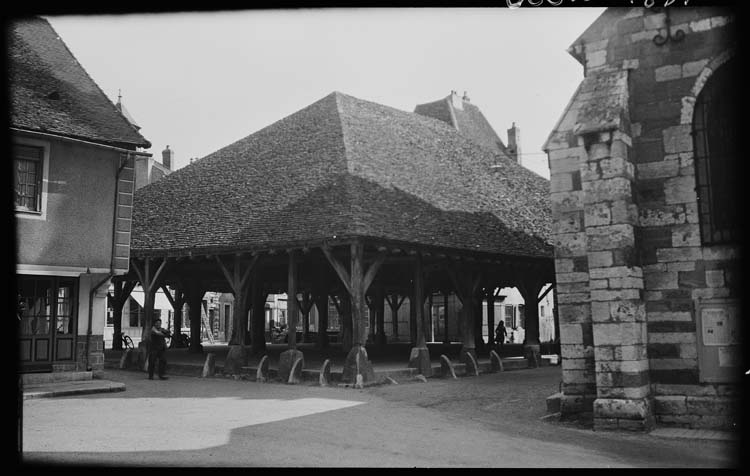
(54, 377)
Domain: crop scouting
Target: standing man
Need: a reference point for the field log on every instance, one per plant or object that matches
(157, 347)
(500, 333)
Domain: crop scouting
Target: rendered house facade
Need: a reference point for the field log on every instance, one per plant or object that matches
(73, 155)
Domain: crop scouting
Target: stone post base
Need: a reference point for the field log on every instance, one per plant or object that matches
(286, 361)
(419, 359)
(235, 360)
(357, 367)
(623, 414)
(466, 350)
(533, 354)
(576, 406)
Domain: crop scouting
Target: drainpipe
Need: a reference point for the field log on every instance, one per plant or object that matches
(111, 263)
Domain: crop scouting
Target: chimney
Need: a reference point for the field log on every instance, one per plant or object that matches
(167, 157)
(466, 97)
(514, 143)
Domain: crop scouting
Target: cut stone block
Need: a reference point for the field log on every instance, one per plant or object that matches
(209, 367)
(261, 375)
(286, 363)
(553, 403)
(496, 363)
(325, 373)
(357, 364)
(470, 360)
(295, 374)
(235, 360)
(419, 359)
(446, 367)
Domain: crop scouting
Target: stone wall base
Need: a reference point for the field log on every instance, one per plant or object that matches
(623, 414)
(576, 405)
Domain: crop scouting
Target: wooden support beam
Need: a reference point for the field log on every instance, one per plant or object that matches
(419, 299)
(372, 270)
(549, 288)
(149, 282)
(339, 268)
(238, 282)
(357, 292)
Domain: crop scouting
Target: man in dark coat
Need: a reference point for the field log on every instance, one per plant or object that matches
(156, 349)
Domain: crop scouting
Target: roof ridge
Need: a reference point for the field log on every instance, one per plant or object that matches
(348, 170)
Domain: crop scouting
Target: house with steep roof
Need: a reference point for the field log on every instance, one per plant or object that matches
(645, 189)
(466, 117)
(350, 199)
(73, 154)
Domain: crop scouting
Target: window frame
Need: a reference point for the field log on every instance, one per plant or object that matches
(710, 194)
(41, 213)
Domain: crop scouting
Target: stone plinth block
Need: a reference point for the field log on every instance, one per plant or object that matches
(470, 359)
(496, 363)
(235, 360)
(626, 409)
(446, 367)
(357, 366)
(295, 374)
(553, 403)
(419, 359)
(574, 405)
(532, 353)
(261, 375)
(209, 366)
(286, 362)
(325, 373)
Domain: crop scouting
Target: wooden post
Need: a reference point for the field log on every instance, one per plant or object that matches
(479, 321)
(380, 314)
(412, 320)
(420, 355)
(291, 302)
(466, 283)
(320, 298)
(356, 281)
(446, 336)
(490, 293)
(305, 306)
(257, 327)
(149, 280)
(194, 297)
(357, 292)
(238, 281)
(122, 290)
(430, 319)
(177, 302)
(529, 285)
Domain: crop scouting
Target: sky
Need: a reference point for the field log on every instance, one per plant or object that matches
(198, 81)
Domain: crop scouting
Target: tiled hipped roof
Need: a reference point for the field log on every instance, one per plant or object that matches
(344, 167)
(51, 92)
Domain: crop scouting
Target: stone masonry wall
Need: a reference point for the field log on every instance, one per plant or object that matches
(677, 270)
